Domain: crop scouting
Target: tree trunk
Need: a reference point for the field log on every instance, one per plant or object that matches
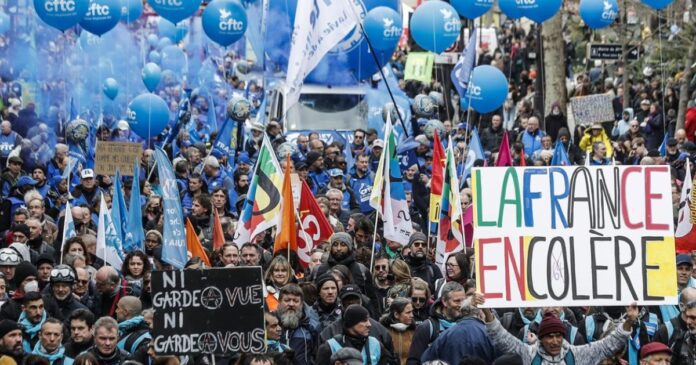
(684, 91)
(554, 63)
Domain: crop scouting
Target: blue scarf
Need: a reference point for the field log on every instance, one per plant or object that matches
(58, 354)
(128, 324)
(30, 328)
(445, 324)
(275, 346)
(536, 319)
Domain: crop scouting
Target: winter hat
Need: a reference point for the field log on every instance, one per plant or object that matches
(508, 359)
(324, 279)
(563, 132)
(652, 348)
(354, 314)
(156, 233)
(550, 324)
(7, 326)
(24, 270)
(416, 237)
(348, 356)
(343, 237)
(312, 156)
(21, 227)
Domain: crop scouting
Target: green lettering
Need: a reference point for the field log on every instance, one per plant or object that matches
(479, 202)
(515, 200)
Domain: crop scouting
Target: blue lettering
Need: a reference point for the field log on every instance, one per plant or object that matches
(555, 205)
(530, 195)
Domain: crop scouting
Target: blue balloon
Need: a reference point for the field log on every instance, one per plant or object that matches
(131, 10)
(102, 16)
(657, 4)
(61, 15)
(346, 64)
(4, 23)
(435, 26)
(152, 40)
(110, 88)
(163, 43)
(148, 115)
(383, 26)
(509, 8)
(152, 74)
(154, 56)
(224, 21)
(173, 58)
(174, 32)
(599, 13)
(539, 10)
(487, 90)
(175, 10)
(472, 9)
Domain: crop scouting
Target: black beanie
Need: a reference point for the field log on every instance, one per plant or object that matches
(312, 156)
(325, 278)
(24, 270)
(354, 314)
(7, 326)
(21, 227)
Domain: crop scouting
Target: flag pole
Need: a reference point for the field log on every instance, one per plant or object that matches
(374, 242)
(379, 65)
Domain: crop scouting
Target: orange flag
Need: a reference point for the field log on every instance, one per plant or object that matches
(193, 245)
(287, 234)
(523, 158)
(218, 235)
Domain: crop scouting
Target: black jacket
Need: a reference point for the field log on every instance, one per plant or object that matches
(117, 358)
(376, 330)
(491, 138)
(73, 349)
(424, 269)
(361, 275)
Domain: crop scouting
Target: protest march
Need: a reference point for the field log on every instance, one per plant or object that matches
(347, 182)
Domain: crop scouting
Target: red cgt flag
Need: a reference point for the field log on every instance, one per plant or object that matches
(314, 227)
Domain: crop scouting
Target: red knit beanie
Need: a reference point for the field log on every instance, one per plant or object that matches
(550, 324)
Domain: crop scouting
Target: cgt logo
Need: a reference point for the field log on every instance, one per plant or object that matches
(390, 31)
(130, 114)
(526, 3)
(474, 90)
(228, 23)
(97, 10)
(452, 24)
(169, 2)
(59, 6)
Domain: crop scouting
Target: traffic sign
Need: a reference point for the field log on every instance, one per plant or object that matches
(610, 52)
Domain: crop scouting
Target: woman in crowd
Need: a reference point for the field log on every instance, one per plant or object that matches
(399, 322)
(278, 274)
(135, 266)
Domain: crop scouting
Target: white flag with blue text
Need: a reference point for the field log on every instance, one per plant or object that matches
(319, 26)
(109, 244)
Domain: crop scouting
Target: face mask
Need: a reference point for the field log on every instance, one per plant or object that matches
(31, 286)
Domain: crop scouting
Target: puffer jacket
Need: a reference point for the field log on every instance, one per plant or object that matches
(588, 140)
(584, 355)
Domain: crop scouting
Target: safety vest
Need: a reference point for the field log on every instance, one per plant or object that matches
(373, 350)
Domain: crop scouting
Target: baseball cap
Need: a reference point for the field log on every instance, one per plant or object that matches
(684, 259)
(350, 290)
(335, 172)
(16, 159)
(87, 174)
(378, 143)
(672, 142)
(123, 125)
(26, 180)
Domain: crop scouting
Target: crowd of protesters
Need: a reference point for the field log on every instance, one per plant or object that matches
(60, 304)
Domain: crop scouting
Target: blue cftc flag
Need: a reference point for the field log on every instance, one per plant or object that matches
(461, 73)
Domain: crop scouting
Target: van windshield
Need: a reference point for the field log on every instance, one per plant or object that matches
(328, 111)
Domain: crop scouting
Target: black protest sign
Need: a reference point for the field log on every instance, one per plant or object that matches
(218, 311)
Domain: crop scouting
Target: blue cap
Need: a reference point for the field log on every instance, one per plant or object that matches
(26, 180)
(244, 158)
(335, 172)
(462, 126)
(408, 187)
(684, 259)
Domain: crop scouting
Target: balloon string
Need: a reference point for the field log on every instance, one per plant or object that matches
(541, 74)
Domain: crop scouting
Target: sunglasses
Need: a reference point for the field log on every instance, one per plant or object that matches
(418, 299)
(418, 244)
(381, 267)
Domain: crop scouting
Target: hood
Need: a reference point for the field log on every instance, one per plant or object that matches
(630, 113)
(552, 359)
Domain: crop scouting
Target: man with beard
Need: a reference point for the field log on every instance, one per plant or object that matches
(356, 334)
(361, 182)
(81, 338)
(467, 338)
(343, 253)
(32, 318)
(418, 262)
(62, 280)
(444, 314)
(327, 305)
(300, 324)
(11, 342)
(382, 281)
(111, 287)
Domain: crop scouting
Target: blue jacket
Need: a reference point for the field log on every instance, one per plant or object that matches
(320, 179)
(303, 339)
(362, 188)
(8, 143)
(468, 337)
(531, 142)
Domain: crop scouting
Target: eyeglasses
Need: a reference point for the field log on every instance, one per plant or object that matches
(418, 299)
(418, 244)
(81, 282)
(380, 267)
(358, 137)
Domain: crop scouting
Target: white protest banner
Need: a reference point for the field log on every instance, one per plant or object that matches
(592, 109)
(574, 236)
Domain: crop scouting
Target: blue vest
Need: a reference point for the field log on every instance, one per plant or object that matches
(362, 188)
(373, 347)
